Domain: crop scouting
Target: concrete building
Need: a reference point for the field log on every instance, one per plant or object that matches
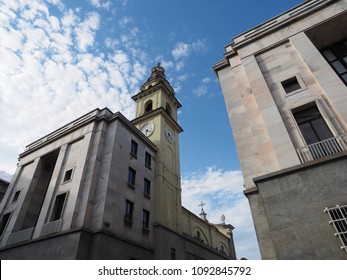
(284, 83)
(104, 187)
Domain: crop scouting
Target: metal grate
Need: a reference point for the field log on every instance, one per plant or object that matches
(338, 217)
(324, 148)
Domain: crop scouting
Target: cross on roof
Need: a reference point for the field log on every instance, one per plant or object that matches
(202, 206)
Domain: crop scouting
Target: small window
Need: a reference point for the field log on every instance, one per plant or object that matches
(131, 176)
(338, 218)
(148, 106)
(147, 187)
(58, 207)
(68, 175)
(129, 210)
(4, 222)
(291, 85)
(16, 195)
(133, 148)
(148, 160)
(145, 219)
(168, 109)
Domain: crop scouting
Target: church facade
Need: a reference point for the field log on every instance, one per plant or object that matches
(284, 84)
(104, 187)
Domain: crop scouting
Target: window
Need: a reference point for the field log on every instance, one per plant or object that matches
(148, 160)
(291, 85)
(147, 187)
(16, 195)
(336, 55)
(133, 148)
(338, 217)
(148, 106)
(312, 126)
(4, 222)
(131, 177)
(318, 137)
(58, 207)
(68, 175)
(145, 219)
(129, 210)
(168, 109)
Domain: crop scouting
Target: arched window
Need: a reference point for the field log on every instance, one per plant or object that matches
(148, 106)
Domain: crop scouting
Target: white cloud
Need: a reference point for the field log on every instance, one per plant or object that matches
(51, 72)
(85, 31)
(200, 91)
(222, 191)
(181, 50)
(101, 4)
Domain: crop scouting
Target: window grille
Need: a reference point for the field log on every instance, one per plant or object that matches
(338, 217)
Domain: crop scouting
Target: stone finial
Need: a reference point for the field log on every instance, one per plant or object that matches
(223, 219)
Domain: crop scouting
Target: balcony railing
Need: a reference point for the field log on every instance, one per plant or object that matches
(322, 149)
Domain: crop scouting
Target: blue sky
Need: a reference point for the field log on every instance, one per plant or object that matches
(61, 59)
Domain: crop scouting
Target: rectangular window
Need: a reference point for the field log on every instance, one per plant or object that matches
(131, 176)
(148, 160)
(133, 148)
(338, 217)
(316, 133)
(129, 210)
(312, 125)
(147, 187)
(336, 55)
(291, 85)
(4, 222)
(58, 207)
(145, 219)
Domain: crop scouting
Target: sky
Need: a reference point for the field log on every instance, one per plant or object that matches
(60, 59)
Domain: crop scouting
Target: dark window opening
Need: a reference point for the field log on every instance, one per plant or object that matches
(68, 175)
(312, 125)
(147, 187)
(15, 197)
(291, 85)
(336, 55)
(131, 176)
(4, 222)
(145, 219)
(148, 106)
(148, 160)
(58, 207)
(133, 148)
(129, 210)
(168, 109)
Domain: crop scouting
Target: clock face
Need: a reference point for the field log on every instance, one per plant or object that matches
(147, 129)
(169, 134)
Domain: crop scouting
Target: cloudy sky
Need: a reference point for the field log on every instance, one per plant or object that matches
(60, 59)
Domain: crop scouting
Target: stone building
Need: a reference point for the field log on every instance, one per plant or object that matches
(284, 83)
(104, 187)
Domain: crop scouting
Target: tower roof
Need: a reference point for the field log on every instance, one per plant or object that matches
(158, 72)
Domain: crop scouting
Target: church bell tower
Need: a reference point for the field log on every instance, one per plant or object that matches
(156, 117)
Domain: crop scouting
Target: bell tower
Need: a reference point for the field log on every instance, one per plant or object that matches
(156, 117)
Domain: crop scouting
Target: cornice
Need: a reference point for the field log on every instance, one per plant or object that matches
(96, 115)
(169, 92)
